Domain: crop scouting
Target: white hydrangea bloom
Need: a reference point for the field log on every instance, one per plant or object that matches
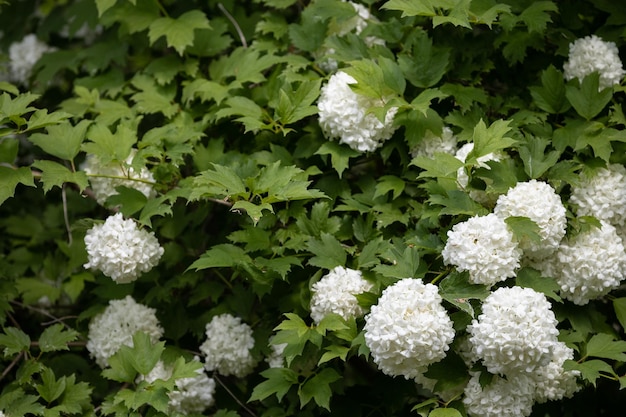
(23, 56)
(516, 331)
(587, 266)
(228, 346)
(500, 398)
(432, 144)
(276, 359)
(190, 395)
(540, 203)
(115, 175)
(408, 329)
(591, 54)
(115, 327)
(343, 115)
(485, 247)
(121, 250)
(602, 195)
(335, 293)
(552, 382)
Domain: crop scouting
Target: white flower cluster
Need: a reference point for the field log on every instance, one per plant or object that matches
(343, 115)
(105, 177)
(190, 395)
(115, 327)
(121, 250)
(588, 266)
(515, 337)
(512, 397)
(485, 247)
(591, 54)
(276, 358)
(408, 329)
(516, 331)
(228, 346)
(335, 293)
(432, 144)
(602, 195)
(462, 178)
(540, 203)
(23, 56)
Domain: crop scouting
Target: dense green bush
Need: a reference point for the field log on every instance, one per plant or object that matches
(186, 177)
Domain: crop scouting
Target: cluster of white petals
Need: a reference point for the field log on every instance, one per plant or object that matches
(408, 329)
(121, 250)
(190, 395)
(115, 327)
(539, 202)
(343, 115)
(276, 358)
(23, 55)
(553, 382)
(115, 174)
(602, 195)
(335, 293)
(485, 247)
(502, 397)
(591, 54)
(516, 331)
(587, 266)
(462, 178)
(227, 348)
(432, 144)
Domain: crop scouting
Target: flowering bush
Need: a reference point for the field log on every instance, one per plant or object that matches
(272, 208)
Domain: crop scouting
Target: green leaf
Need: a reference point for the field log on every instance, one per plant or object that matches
(280, 265)
(389, 183)
(54, 174)
(108, 146)
(537, 16)
(331, 322)
(10, 178)
(295, 105)
(205, 90)
(422, 102)
(457, 202)
(328, 252)
(371, 80)
(619, 305)
(56, 338)
(411, 7)
(445, 412)
(585, 97)
(590, 370)
(524, 229)
(219, 182)
(179, 32)
(443, 165)
(14, 341)
(50, 389)
(318, 388)
(550, 96)
(489, 139)
(129, 200)
(41, 118)
(405, 263)
(104, 5)
(221, 256)
(531, 278)
(9, 147)
(12, 110)
(255, 211)
(605, 346)
(450, 373)
(144, 354)
(279, 381)
(535, 157)
(458, 15)
(332, 352)
(251, 114)
(457, 290)
(63, 140)
(339, 155)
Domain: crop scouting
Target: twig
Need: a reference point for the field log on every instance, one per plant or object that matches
(234, 22)
(65, 216)
(215, 377)
(11, 365)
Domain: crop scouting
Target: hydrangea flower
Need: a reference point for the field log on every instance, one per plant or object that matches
(540, 203)
(23, 56)
(115, 175)
(516, 331)
(432, 144)
(587, 266)
(121, 250)
(591, 54)
(552, 382)
(602, 195)
(512, 397)
(190, 395)
(335, 293)
(115, 327)
(227, 348)
(408, 329)
(485, 247)
(343, 115)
